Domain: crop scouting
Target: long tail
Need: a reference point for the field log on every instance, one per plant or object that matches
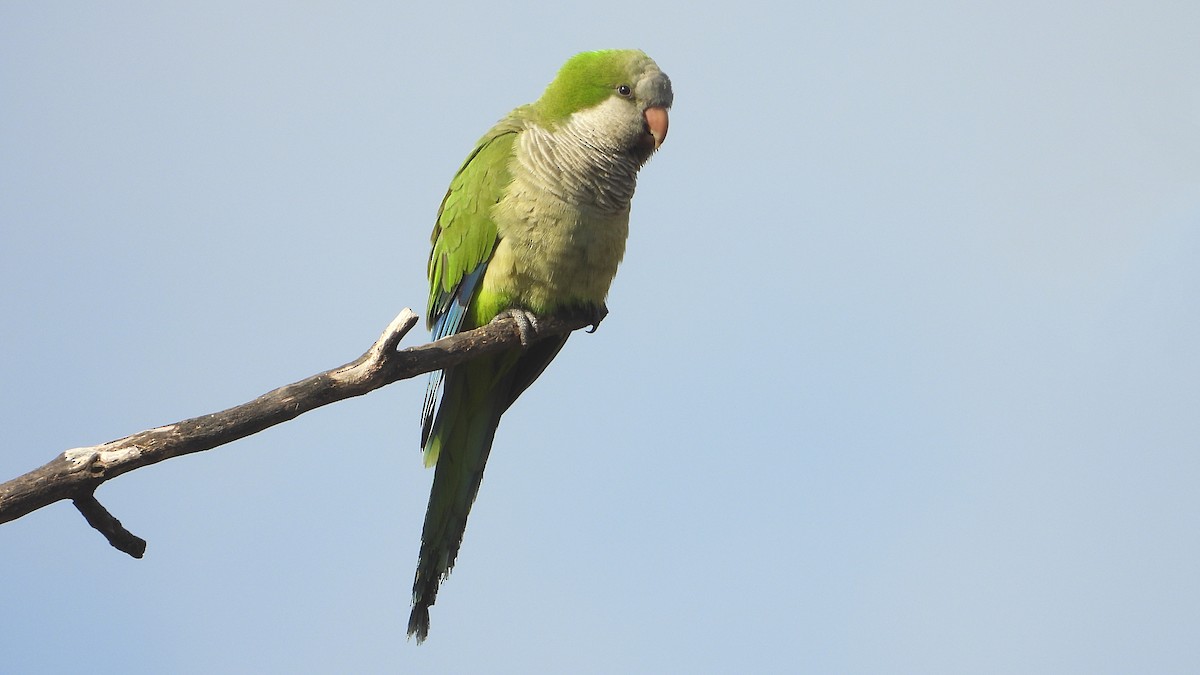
(459, 442)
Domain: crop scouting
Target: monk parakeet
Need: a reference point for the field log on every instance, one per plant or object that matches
(534, 223)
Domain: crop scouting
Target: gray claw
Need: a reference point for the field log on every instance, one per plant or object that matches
(598, 315)
(526, 324)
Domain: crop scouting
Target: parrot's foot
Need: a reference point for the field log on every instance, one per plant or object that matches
(526, 324)
(598, 314)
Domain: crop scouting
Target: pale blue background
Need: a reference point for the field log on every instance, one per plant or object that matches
(901, 374)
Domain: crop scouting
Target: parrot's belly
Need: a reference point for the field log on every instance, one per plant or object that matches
(551, 254)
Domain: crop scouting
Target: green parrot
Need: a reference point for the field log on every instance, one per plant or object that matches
(534, 223)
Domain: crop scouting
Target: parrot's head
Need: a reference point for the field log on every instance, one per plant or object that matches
(617, 97)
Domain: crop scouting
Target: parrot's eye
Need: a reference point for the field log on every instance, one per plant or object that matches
(624, 90)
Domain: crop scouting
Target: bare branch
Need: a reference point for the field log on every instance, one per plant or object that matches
(75, 474)
(98, 517)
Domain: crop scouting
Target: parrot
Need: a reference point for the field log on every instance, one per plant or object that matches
(534, 224)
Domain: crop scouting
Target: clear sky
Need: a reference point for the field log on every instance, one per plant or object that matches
(901, 374)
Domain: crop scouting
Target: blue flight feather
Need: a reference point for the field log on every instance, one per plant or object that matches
(448, 319)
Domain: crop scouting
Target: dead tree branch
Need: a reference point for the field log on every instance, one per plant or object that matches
(75, 474)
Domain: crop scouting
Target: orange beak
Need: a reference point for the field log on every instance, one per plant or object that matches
(656, 121)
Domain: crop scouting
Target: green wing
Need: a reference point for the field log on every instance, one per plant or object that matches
(463, 240)
(465, 236)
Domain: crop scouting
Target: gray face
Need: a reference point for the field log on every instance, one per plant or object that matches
(654, 88)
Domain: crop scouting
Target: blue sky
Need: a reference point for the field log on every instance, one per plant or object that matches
(900, 376)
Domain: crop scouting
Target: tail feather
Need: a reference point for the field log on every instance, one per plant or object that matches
(458, 441)
(461, 444)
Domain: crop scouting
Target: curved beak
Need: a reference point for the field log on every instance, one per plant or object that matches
(656, 122)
